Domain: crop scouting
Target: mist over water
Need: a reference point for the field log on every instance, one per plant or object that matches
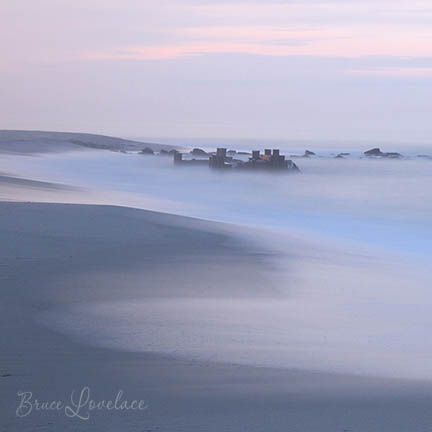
(386, 203)
(354, 241)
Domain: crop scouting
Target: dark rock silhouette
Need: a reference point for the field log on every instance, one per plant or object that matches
(308, 153)
(164, 152)
(376, 152)
(147, 150)
(341, 155)
(198, 152)
(392, 155)
(293, 166)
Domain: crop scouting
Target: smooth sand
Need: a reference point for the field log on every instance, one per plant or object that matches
(53, 255)
(13, 181)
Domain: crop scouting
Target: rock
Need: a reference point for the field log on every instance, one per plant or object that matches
(147, 150)
(392, 155)
(292, 166)
(374, 152)
(342, 155)
(198, 152)
(164, 152)
(308, 153)
(231, 152)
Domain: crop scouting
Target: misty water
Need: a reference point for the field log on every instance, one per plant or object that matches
(386, 203)
(354, 238)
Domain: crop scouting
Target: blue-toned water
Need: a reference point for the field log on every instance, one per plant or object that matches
(387, 203)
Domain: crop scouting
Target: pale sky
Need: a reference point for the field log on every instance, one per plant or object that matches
(310, 69)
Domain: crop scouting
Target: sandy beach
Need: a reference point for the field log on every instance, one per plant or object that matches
(55, 255)
(190, 316)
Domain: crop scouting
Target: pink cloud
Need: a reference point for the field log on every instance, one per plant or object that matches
(299, 45)
(348, 41)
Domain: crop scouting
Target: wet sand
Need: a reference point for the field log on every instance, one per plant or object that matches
(54, 255)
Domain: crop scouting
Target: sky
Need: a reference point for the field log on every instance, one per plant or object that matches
(280, 69)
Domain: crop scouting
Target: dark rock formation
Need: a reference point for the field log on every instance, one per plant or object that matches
(308, 153)
(392, 155)
(293, 167)
(376, 152)
(164, 152)
(147, 150)
(341, 155)
(198, 152)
